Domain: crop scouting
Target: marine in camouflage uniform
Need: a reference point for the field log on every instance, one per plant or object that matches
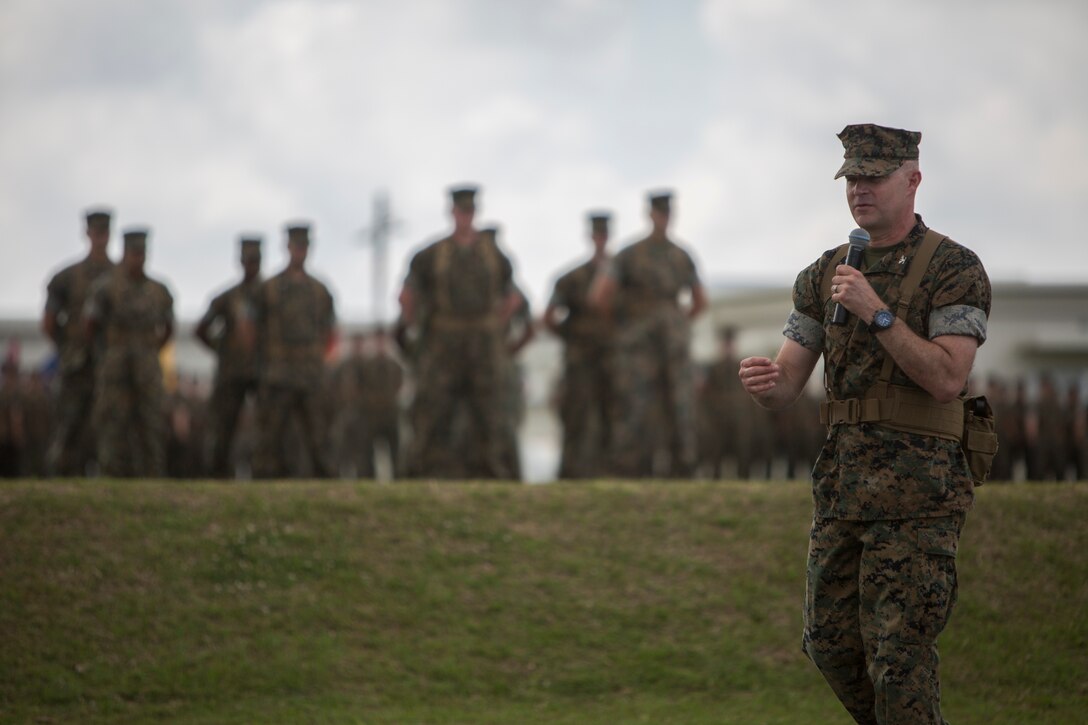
(519, 333)
(1046, 433)
(71, 447)
(345, 384)
(381, 377)
(227, 328)
(38, 420)
(135, 316)
(366, 389)
(889, 504)
(13, 428)
(296, 321)
(459, 294)
(586, 397)
(654, 375)
(736, 429)
(1010, 429)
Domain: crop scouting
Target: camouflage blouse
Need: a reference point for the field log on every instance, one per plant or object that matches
(295, 318)
(583, 324)
(866, 471)
(653, 271)
(66, 295)
(225, 313)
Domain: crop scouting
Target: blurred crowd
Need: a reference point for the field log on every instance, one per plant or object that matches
(440, 394)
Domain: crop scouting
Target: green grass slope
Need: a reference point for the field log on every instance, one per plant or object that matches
(477, 603)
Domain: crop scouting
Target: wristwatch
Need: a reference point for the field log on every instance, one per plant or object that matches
(882, 320)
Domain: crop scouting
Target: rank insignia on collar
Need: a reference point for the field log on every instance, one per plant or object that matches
(903, 259)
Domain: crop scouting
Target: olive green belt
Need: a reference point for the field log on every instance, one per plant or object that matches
(905, 409)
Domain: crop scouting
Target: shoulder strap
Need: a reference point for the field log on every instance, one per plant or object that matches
(441, 270)
(918, 266)
(829, 271)
(491, 261)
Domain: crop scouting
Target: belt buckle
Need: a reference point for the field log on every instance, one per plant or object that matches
(844, 411)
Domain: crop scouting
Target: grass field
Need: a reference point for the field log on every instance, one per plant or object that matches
(477, 603)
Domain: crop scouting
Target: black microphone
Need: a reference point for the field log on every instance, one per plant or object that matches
(859, 240)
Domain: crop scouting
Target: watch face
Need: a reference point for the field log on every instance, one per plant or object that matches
(883, 319)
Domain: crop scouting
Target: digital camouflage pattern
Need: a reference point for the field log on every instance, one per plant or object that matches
(134, 316)
(457, 292)
(872, 150)
(236, 372)
(586, 398)
(295, 316)
(654, 377)
(295, 319)
(878, 595)
(72, 444)
(889, 505)
(367, 410)
(867, 471)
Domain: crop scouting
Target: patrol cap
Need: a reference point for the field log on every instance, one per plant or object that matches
(660, 200)
(298, 232)
(250, 245)
(872, 150)
(463, 196)
(491, 231)
(135, 238)
(598, 221)
(98, 218)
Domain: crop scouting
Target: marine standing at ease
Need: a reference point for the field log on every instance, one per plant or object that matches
(227, 329)
(586, 399)
(72, 445)
(890, 494)
(135, 316)
(459, 295)
(642, 290)
(296, 321)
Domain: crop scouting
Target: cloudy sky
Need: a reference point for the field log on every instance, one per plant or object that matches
(204, 118)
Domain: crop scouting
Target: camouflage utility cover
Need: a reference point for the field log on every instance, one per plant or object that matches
(866, 471)
(872, 150)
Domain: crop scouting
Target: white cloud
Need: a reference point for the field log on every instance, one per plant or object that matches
(204, 119)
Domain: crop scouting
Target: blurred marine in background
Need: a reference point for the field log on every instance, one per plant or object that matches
(296, 322)
(72, 446)
(643, 289)
(459, 294)
(228, 330)
(586, 396)
(135, 316)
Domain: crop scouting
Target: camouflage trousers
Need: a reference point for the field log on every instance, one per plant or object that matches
(358, 433)
(585, 410)
(225, 405)
(457, 418)
(655, 404)
(276, 405)
(131, 419)
(878, 595)
(72, 445)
